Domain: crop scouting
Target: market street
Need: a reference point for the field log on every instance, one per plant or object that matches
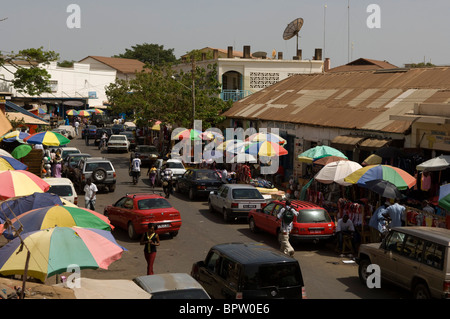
(325, 274)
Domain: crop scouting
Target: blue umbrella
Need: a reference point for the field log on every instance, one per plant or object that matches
(7, 162)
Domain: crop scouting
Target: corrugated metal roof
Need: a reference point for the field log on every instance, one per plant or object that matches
(352, 100)
(363, 65)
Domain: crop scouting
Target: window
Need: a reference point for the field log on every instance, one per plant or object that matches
(277, 209)
(268, 209)
(313, 216)
(229, 272)
(213, 262)
(434, 255)
(61, 190)
(153, 203)
(90, 167)
(413, 248)
(224, 192)
(261, 80)
(249, 193)
(272, 275)
(53, 86)
(395, 242)
(120, 202)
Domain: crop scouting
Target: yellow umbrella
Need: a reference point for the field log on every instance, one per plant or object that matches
(372, 160)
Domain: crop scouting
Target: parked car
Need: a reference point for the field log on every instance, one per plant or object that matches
(313, 222)
(147, 153)
(235, 200)
(63, 187)
(249, 271)
(61, 131)
(99, 169)
(198, 182)
(70, 162)
(118, 143)
(133, 212)
(176, 166)
(172, 286)
(90, 131)
(415, 258)
(117, 128)
(131, 138)
(99, 134)
(65, 151)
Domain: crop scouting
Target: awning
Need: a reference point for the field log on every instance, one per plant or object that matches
(16, 116)
(372, 144)
(346, 142)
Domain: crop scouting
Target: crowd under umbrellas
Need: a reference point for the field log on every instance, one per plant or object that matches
(45, 236)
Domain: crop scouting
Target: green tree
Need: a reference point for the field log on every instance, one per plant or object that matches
(66, 64)
(29, 78)
(163, 95)
(152, 54)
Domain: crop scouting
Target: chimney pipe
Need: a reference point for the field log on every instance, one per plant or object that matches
(215, 54)
(298, 56)
(327, 65)
(246, 52)
(318, 54)
(230, 53)
(280, 55)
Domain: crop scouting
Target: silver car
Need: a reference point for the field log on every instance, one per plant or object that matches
(118, 143)
(235, 200)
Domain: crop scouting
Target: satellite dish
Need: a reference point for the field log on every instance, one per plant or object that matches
(292, 30)
(260, 54)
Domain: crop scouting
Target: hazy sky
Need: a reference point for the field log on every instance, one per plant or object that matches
(410, 30)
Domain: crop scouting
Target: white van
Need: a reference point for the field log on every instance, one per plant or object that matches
(63, 187)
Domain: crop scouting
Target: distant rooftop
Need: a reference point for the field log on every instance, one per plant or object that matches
(126, 66)
(363, 64)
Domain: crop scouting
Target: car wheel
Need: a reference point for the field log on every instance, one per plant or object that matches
(173, 234)
(99, 174)
(362, 270)
(177, 188)
(112, 188)
(131, 231)
(421, 291)
(252, 225)
(191, 194)
(226, 216)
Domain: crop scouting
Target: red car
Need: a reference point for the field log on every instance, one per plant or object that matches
(313, 222)
(134, 212)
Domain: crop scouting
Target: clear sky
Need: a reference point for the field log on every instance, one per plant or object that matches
(410, 31)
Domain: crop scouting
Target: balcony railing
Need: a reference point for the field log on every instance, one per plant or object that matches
(234, 95)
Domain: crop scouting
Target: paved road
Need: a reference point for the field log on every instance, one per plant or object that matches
(326, 276)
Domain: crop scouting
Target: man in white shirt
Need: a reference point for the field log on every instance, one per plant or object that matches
(77, 125)
(345, 227)
(286, 215)
(136, 167)
(90, 191)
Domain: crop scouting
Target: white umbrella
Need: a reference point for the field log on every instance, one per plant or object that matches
(435, 164)
(335, 172)
(4, 153)
(243, 158)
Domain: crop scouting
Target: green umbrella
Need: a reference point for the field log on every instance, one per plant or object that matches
(319, 152)
(21, 151)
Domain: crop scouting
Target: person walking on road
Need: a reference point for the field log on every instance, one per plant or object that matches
(90, 191)
(286, 215)
(151, 240)
(152, 174)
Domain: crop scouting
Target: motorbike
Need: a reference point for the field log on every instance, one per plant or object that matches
(135, 176)
(167, 188)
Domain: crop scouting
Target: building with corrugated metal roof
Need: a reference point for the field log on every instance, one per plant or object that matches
(356, 112)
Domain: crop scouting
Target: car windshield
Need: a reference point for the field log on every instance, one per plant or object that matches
(180, 294)
(313, 216)
(65, 153)
(61, 190)
(92, 166)
(204, 175)
(174, 165)
(153, 203)
(75, 159)
(246, 193)
(272, 275)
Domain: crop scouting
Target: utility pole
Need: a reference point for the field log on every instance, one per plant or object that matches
(193, 90)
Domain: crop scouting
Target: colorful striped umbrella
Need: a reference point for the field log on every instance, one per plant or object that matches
(47, 138)
(192, 134)
(21, 151)
(319, 152)
(211, 135)
(84, 113)
(8, 164)
(14, 136)
(224, 146)
(398, 177)
(52, 250)
(95, 111)
(72, 112)
(57, 215)
(265, 148)
(265, 136)
(20, 183)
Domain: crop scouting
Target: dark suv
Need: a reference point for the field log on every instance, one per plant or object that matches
(99, 169)
(249, 271)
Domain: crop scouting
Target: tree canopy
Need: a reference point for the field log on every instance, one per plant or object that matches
(153, 54)
(29, 78)
(165, 96)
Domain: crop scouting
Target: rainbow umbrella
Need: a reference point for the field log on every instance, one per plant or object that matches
(47, 138)
(84, 113)
(156, 126)
(14, 136)
(192, 134)
(401, 179)
(265, 148)
(229, 144)
(264, 136)
(57, 215)
(21, 151)
(211, 135)
(8, 163)
(52, 250)
(318, 152)
(72, 112)
(95, 111)
(20, 183)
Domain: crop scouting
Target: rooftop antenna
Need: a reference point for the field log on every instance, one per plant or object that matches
(292, 30)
